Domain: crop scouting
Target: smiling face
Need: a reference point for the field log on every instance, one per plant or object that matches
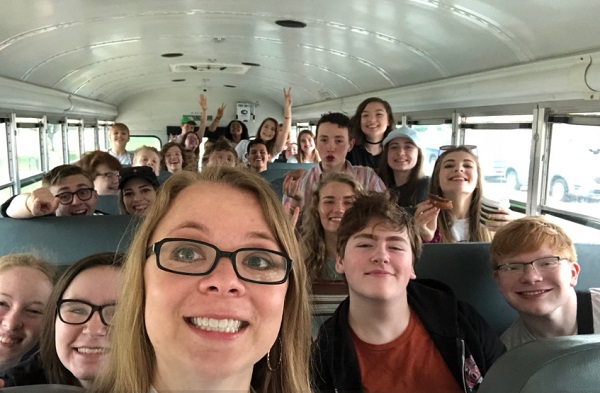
(83, 348)
(458, 173)
(118, 137)
(24, 292)
(178, 307)
(106, 181)
(334, 199)
(378, 262)
(307, 144)
(333, 144)
(541, 293)
(149, 158)
(173, 159)
(258, 157)
(77, 207)
(402, 155)
(268, 130)
(374, 121)
(138, 194)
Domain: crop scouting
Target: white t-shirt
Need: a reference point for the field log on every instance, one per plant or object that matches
(124, 159)
(460, 229)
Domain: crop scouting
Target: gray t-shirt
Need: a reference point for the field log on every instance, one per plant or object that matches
(518, 334)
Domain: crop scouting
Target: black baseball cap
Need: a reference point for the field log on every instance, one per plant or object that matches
(145, 172)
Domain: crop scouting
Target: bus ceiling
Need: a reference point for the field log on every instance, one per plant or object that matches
(424, 56)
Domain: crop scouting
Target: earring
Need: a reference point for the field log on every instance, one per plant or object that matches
(271, 368)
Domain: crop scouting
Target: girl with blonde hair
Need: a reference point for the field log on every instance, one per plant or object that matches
(213, 298)
(334, 194)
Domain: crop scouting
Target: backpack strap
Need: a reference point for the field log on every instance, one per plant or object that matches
(585, 318)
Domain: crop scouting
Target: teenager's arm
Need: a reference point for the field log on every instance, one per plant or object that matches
(282, 137)
(203, 116)
(40, 202)
(215, 123)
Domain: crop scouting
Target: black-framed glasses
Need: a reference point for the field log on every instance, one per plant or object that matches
(198, 258)
(78, 312)
(83, 194)
(471, 148)
(110, 175)
(539, 265)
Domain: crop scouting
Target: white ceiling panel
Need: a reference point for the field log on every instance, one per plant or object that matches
(109, 50)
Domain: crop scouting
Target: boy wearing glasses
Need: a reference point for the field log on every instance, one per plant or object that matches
(392, 333)
(66, 191)
(535, 267)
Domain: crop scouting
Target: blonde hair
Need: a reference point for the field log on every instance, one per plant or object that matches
(529, 234)
(132, 362)
(313, 234)
(31, 261)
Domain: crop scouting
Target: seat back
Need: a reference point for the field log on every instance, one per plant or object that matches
(64, 240)
(43, 389)
(557, 365)
(108, 204)
(466, 268)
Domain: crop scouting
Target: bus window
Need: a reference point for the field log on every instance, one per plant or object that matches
(504, 161)
(89, 142)
(55, 147)
(73, 143)
(573, 174)
(431, 137)
(28, 151)
(4, 167)
(136, 141)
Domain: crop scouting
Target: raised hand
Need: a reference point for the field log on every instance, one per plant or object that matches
(287, 97)
(202, 101)
(221, 110)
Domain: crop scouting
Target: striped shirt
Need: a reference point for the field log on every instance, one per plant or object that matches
(365, 176)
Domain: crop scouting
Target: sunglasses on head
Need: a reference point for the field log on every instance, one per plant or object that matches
(445, 148)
